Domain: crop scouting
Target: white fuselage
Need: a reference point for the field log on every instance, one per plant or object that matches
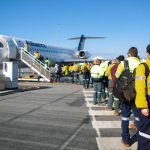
(10, 45)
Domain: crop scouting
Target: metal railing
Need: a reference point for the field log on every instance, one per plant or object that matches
(35, 64)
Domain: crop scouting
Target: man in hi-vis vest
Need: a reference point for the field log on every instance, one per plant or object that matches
(127, 106)
(97, 74)
(142, 86)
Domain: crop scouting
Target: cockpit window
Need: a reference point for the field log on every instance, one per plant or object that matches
(1, 45)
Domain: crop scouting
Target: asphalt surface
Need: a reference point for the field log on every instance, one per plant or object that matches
(52, 116)
(107, 125)
(45, 116)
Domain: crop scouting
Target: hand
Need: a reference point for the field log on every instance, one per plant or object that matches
(145, 112)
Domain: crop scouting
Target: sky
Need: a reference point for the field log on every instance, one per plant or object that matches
(124, 23)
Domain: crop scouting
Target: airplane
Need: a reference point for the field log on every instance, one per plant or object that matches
(9, 46)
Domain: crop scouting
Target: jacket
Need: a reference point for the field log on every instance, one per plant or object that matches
(83, 66)
(97, 71)
(133, 63)
(108, 73)
(142, 86)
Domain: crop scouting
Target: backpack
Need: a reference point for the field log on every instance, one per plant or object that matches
(124, 87)
(85, 70)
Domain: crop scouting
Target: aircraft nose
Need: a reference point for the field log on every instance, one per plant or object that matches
(2, 49)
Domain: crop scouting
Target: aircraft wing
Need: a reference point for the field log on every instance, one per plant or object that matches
(76, 61)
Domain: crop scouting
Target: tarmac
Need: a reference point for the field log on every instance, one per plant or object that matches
(57, 116)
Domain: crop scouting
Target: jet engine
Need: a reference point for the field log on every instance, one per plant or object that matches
(83, 54)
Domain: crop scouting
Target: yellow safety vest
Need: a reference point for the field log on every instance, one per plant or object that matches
(97, 71)
(70, 68)
(46, 61)
(26, 47)
(66, 70)
(75, 68)
(142, 86)
(84, 65)
(37, 55)
(133, 63)
(104, 66)
(108, 73)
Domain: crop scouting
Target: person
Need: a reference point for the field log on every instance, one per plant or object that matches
(91, 80)
(142, 102)
(127, 106)
(71, 73)
(57, 72)
(85, 70)
(108, 74)
(113, 71)
(66, 72)
(97, 74)
(37, 55)
(75, 70)
(47, 63)
(104, 66)
(26, 47)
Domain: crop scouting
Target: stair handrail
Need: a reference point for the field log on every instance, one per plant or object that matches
(37, 60)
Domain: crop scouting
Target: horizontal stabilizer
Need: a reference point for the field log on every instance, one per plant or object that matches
(86, 37)
(82, 39)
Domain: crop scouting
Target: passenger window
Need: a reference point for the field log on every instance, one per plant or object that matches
(1, 45)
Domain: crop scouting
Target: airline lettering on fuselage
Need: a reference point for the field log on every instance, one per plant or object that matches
(36, 44)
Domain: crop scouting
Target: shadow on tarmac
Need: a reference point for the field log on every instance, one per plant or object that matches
(77, 103)
(22, 89)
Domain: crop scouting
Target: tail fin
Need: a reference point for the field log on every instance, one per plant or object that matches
(82, 39)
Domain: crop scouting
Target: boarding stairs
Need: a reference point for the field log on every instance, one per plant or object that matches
(35, 64)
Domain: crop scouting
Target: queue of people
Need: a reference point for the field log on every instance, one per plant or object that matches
(103, 76)
(140, 105)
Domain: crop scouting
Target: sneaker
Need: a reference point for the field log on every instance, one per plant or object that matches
(94, 103)
(132, 126)
(125, 144)
(116, 113)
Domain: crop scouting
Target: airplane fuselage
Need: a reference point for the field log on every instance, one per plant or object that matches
(9, 46)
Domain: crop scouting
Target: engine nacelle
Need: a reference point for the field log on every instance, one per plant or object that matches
(8, 49)
(83, 54)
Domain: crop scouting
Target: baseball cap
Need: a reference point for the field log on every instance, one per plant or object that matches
(120, 58)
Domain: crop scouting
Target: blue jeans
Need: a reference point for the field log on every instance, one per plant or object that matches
(97, 92)
(86, 80)
(111, 97)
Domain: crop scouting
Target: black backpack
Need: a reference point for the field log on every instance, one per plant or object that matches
(124, 88)
(85, 70)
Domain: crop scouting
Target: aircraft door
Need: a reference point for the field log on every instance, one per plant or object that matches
(3, 49)
(12, 49)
